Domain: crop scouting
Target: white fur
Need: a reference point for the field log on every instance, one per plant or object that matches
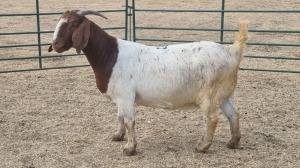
(168, 77)
(59, 24)
(201, 73)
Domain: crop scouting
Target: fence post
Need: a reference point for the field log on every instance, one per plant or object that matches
(126, 20)
(222, 22)
(133, 20)
(39, 32)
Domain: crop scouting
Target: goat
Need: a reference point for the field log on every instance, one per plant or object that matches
(201, 73)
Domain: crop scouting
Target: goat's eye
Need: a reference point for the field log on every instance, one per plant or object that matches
(76, 23)
(72, 25)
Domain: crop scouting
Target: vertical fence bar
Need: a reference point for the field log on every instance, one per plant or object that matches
(222, 22)
(39, 32)
(133, 20)
(126, 20)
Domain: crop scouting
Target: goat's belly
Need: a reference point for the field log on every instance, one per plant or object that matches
(168, 105)
(167, 102)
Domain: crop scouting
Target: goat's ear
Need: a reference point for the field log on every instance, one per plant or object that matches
(50, 48)
(81, 35)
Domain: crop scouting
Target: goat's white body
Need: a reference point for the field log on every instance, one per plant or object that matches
(171, 76)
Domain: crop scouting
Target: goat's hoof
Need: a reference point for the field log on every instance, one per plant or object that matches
(231, 145)
(201, 150)
(128, 151)
(118, 137)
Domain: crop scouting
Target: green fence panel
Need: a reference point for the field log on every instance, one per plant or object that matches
(130, 11)
(38, 43)
(223, 11)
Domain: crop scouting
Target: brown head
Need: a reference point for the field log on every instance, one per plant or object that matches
(72, 30)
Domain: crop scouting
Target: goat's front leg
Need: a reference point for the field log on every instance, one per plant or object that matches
(233, 117)
(130, 146)
(119, 135)
(126, 115)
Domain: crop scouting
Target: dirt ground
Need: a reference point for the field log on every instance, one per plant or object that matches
(58, 118)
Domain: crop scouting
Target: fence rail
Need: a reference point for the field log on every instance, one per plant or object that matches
(40, 56)
(134, 11)
(221, 30)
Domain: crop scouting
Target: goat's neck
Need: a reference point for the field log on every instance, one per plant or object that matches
(101, 52)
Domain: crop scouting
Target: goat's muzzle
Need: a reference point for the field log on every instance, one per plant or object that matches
(57, 47)
(55, 42)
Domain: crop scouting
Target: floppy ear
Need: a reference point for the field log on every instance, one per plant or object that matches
(81, 35)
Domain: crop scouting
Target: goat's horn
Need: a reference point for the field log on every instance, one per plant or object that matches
(90, 12)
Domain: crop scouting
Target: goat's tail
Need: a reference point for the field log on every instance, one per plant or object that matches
(242, 36)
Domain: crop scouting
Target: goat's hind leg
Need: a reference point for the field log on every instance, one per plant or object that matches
(212, 118)
(233, 117)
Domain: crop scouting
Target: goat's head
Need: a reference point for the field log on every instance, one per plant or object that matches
(72, 30)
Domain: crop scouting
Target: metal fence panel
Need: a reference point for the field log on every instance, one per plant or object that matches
(132, 9)
(37, 44)
(223, 12)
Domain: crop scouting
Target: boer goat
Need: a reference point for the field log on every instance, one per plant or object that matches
(201, 73)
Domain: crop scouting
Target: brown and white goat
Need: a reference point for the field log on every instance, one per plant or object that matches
(201, 73)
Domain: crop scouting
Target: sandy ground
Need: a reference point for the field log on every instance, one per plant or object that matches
(58, 118)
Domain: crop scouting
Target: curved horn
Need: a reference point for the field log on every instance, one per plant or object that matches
(90, 12)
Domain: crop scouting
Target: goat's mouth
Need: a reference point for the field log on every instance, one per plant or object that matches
(59, 49)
